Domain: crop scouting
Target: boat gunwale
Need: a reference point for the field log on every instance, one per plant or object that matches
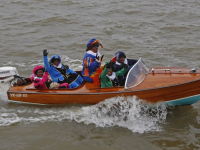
(97, 93)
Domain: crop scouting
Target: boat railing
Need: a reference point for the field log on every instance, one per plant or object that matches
(136, 74)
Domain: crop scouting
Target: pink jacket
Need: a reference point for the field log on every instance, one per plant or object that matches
(44, 82)
(41, 83)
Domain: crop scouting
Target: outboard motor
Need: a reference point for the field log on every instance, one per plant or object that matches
(7, 77)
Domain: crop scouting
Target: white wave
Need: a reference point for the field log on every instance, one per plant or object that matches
(74, 64)
(25, 115)
(3, 95)
(21, 64)
(7, 119)
(135, 115)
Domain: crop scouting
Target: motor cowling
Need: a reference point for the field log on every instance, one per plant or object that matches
(7, 74)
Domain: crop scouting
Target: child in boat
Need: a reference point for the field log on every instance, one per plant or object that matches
(121, 59)
(60, 73)
(109, 78)
(92, 62)
(41, 81)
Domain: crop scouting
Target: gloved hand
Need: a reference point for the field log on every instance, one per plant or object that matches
(97, 58)
(66, 67)
(45, 53)
(124, 65)
(110, 65)
(102, 57)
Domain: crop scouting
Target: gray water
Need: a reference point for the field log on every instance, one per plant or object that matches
(162, 32)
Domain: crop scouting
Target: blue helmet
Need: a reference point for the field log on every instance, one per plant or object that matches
(120, 54)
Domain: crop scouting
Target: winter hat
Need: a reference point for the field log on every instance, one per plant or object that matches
(92, 41)
(37, 68)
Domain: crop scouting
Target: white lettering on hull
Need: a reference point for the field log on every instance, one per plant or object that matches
(18, 95)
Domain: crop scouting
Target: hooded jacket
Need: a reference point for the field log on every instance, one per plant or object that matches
(40, 83)
(62, 74)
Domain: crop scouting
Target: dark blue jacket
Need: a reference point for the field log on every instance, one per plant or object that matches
(118, 67)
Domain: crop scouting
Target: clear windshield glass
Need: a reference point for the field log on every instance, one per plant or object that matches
(136, 74)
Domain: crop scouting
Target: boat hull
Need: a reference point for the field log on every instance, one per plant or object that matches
(172, 88)
(183, 101)
(183, 94)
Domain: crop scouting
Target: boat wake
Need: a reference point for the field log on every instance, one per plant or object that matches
(131, 113)
(3, 95)
(136, 115)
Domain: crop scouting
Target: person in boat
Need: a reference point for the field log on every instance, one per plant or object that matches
(41, 80)
(61, 73)
(121, 59)
(108, 77)
(22, 81)
(92, 62)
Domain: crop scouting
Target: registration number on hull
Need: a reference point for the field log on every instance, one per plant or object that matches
(18, 95)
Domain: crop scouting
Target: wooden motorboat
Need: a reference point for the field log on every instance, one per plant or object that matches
(173, 86)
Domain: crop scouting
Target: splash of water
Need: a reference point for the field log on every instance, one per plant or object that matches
(3, 95)
(135, 115)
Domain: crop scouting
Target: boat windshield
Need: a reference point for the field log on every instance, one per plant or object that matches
(136, 74)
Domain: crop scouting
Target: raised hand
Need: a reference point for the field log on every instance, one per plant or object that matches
(45, 53)
(110, 65)
(97, 57)
(102, 57)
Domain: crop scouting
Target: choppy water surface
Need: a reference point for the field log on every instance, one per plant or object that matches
(163, 33)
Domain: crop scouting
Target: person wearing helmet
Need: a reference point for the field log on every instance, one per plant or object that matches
(92, 61)
(61, 73)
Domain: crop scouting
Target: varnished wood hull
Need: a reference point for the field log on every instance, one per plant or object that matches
(159, 86)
